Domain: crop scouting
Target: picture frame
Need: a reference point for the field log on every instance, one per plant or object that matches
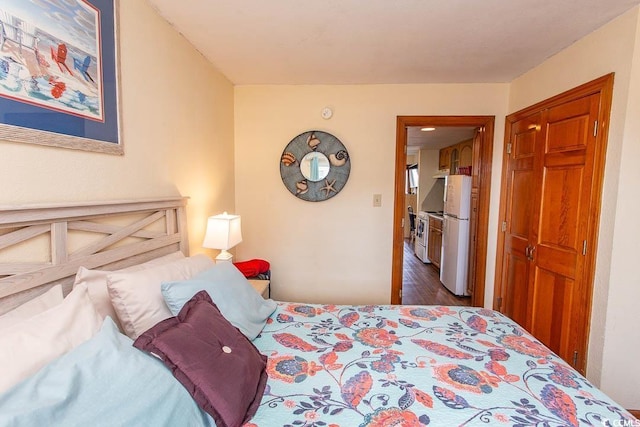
(59, 74)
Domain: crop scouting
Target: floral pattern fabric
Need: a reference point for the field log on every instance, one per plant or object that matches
(375, 366)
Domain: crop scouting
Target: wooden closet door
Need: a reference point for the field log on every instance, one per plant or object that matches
(550, 208)
(558, 310)
(518, 227)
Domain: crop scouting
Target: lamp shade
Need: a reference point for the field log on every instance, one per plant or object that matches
(223, 232)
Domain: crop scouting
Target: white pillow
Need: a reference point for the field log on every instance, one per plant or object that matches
(39, 304)
(31, 344)
(96, 281)
(137, 298)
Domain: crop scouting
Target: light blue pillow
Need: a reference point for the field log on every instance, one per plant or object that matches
(104, 381)
(234, 296)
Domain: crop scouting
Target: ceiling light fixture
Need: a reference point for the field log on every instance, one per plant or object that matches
(427, 129)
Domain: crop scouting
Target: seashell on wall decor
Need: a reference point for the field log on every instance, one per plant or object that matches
(288, 159)
(302, 187)
(339, 159)
(312, 141)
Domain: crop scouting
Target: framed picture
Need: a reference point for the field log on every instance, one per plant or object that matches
(59, 74)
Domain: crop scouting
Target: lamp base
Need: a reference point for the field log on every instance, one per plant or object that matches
(224, 256)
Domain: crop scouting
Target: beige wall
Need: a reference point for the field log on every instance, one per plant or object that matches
(431, 190)
(615, 336)
(178, 133)
(338, 250)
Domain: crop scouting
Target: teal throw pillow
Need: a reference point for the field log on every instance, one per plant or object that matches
(234, 296)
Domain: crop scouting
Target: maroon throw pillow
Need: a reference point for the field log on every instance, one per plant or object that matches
(214, 361)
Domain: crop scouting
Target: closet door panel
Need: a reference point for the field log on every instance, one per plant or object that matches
(561, 261)
(566, 186)
(551, 322)
(567, 133)
(561, 217)
(560, 210)
(521, 182)
(521, 206)
(517, 282)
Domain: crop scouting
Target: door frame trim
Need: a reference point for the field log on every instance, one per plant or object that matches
(487, 124)
(604, 86)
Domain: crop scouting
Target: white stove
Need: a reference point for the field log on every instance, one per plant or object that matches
(422, 241)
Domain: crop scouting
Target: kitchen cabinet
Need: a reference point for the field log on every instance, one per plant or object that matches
(434, 248)
(445, 158)
(454, 163)
(455, 156)
(465, 153)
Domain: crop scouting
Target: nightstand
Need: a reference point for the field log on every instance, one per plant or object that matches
(262, 286)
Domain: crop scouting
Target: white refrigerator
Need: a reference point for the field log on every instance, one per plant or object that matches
(455, 233)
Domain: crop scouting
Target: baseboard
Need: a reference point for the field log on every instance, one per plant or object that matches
(635, 412)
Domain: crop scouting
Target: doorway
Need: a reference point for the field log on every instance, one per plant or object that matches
(481, 171)
(433, 153)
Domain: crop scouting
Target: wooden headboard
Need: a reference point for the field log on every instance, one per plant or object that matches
(44, 245)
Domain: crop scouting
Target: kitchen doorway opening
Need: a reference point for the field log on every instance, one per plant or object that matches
(478, 152)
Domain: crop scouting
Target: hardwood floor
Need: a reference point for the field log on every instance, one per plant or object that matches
(421, 283)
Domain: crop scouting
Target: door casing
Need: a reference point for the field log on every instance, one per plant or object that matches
(481, 171)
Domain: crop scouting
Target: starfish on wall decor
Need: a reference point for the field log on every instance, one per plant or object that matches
(329, 187)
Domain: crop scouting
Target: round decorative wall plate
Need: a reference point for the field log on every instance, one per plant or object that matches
(315, 166)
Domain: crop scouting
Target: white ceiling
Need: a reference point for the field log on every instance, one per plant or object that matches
(439, 138)
(383, 41)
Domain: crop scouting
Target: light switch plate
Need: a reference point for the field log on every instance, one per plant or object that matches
(377, 200)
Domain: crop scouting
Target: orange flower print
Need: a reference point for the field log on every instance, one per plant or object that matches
(311, 415)
(303, 310)
(501, 418)
(291, 369)
(376, 337)
(421, 313)
(524, 345)
(464, 378)
(385, 417)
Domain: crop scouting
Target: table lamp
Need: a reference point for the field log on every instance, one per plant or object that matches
(223, 232)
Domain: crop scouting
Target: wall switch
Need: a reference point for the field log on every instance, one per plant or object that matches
(377, 200)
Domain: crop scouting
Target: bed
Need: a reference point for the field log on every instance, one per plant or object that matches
(311, 365)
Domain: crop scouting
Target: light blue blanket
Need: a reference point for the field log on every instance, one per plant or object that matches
(380, 366)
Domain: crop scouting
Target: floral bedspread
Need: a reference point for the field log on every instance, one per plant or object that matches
(352, 366)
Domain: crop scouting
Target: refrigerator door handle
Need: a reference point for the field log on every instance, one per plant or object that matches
(444, 197)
